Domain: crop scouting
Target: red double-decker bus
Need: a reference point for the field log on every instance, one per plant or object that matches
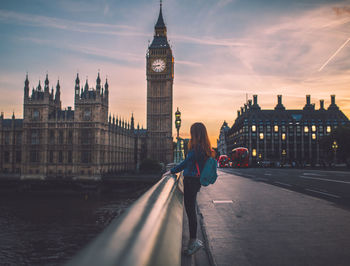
(240, 157)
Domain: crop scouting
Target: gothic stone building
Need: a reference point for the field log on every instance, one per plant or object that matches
(284, 135)
(160, 76)
(52, 142)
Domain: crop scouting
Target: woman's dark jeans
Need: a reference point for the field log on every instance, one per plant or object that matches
(191, 187)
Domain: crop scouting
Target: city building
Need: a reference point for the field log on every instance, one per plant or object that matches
(160, 77)
(87, 141)
(222, 141)
(282, 135)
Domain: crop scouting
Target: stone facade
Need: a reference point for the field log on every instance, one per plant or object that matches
(282, 135)
(160, 76)
(84, 142)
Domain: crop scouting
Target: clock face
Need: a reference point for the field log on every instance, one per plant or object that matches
(158, 65)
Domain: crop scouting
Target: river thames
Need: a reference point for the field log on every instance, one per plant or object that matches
(48, 229)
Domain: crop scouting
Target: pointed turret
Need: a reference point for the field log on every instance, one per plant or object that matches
(39, 86)
(98, 83)
(58, 93)
(132, 121)
(86, 87)
(26, 87)
(106, 90)
(160, 32)
(160, 22)
(77, 87)
(46, 87)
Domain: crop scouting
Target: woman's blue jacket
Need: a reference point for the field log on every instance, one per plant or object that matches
(189, 164)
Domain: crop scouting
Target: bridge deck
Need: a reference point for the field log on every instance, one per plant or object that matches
(249, 222)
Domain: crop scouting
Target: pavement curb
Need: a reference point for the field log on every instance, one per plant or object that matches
(206, 240)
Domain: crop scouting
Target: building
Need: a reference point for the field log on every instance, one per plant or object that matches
(222, 141)
(52, 142)
(283, 135)
(87, 141)
(160, 77)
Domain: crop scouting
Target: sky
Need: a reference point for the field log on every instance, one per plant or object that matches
(224, 50)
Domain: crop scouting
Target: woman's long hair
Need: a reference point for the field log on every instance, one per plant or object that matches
(199, 137)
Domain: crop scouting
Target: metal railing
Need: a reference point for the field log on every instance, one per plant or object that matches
(148, 233)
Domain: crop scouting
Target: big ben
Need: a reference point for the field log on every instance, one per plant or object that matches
(160, 77)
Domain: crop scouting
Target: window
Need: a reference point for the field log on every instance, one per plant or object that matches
(35, 137)
(253, 128)
(313, 128)
(19, 138)
(36, 115)
(283, 136)
(329, 129)
(70, 157)
(34, 156)
(7, 137)
(261, 136)
(51, 157)
(313, 136)
(18, 156)
(60, 137)
(6, 157)
(276, 128)
(60, 156)
(254, 152)
(70, 137)
(52, 137)
(87, 114)
(306, 129)
(86, 156)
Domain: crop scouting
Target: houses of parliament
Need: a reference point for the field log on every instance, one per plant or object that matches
(86, 141)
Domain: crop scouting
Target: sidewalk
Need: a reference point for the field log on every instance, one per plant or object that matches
(252, 223)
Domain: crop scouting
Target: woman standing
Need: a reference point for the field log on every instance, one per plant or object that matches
(199, 151)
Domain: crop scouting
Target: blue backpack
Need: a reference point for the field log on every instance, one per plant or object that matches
(209, 174)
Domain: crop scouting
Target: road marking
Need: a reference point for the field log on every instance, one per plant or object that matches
(312, 174)
(325, 179)
(324, 193)
(222, 201)
(283, 184)
(267, 174)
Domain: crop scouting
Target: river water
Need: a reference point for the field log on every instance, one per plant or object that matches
(49, 229)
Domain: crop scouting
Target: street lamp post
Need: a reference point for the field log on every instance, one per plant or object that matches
(178, 153)
(335, 147)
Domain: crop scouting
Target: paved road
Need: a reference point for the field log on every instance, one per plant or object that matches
(249, 222)
(331, 185)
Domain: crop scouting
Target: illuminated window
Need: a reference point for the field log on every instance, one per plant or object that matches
(276, 128)
(254, 152)
(306, 129)
(253, 128)
(283, 136)
(260, 155)
(313, 136)
(261, 135)
(313, 128)
(329, 129)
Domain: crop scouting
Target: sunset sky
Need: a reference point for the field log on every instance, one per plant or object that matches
(223, 49)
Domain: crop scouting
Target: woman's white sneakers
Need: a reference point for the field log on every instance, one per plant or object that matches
(193, 247)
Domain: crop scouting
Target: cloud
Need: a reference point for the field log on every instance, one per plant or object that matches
(69, 25)
(342, 10)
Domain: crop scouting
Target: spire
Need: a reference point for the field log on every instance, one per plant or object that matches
(98, 83)
(77, 81)
(26, 87)
(86, 88)
(39, 86)
(58, 92)
(132, 126)
(160, 22)
(46, 87)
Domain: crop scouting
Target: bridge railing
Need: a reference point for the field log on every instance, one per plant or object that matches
(148, 233)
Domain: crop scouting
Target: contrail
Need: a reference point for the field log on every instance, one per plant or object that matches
(341, 47)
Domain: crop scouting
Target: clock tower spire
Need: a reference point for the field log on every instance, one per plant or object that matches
(160, 77)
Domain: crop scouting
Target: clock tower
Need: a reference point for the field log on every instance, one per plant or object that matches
(160, 76)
